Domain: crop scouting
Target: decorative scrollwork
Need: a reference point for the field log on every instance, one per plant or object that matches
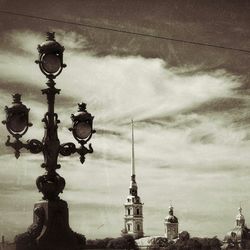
(50, 186)
(67, 149)
(17, 145)
(82, 151)
(45, 119)
(34, 146)
(57, 121)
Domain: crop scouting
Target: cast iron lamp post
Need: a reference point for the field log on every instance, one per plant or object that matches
(50, 228)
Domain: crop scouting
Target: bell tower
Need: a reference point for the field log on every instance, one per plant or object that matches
(133, 219)
(240, 220)
(171, 225)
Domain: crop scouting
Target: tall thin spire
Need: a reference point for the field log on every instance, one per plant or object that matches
(133, 149)
(133, 185)
(133, 207)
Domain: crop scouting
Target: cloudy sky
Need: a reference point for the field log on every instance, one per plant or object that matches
(190, 105)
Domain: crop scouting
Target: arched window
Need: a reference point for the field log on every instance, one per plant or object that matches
(138, 227)
(128, 211)
(138, 211)
(128, 227)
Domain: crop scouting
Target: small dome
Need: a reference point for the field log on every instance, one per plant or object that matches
(171, 218)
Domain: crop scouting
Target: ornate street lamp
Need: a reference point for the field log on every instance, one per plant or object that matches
(50, 228)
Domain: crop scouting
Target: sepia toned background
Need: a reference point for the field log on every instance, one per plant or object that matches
(190, 105)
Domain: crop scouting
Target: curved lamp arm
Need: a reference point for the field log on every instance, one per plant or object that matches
(69, 148)
(34, 146)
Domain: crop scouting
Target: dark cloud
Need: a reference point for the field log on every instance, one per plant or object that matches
(244, 89)
(242, 119)
(160, 121)
(177, 120)
(219, 105)
(107, 132)
(109, 156)
(207, 22)
(164, 167)
(31, 92)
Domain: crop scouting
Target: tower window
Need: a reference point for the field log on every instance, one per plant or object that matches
(138, 211)
(138, 227)
(128, 211)
(128, 227)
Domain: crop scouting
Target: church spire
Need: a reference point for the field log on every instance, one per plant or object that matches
(133, 149)
(133, 185)
(133, 219)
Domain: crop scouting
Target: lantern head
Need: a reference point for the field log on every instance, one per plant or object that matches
(17, 117)
(82, 124)
(51, 57)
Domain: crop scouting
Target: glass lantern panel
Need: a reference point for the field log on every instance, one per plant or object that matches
(18, 123)
(83, 130)
(51, 63)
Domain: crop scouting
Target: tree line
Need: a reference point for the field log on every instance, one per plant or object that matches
(184, 242)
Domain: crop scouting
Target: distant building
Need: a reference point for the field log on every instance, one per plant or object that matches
(133, 219)
(239, 236)
(171, 232)
(171, 225)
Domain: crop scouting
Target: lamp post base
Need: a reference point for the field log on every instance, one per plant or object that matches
(50, 229)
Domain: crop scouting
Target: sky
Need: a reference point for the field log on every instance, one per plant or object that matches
(190, 106)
